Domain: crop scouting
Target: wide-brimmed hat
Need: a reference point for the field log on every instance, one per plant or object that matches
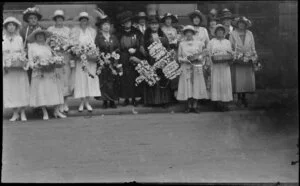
(226, 14)
(100, 21)
(173, 17)
(213, 11)
(242, 19)
(188, 28)
(31, 37)
(12, 20)
(153, 19)
(101, 18)
(140, 15)
(83, 15)
(197, 13)
(218, 26)
(31, 11)
(124, 17)
(58, 13)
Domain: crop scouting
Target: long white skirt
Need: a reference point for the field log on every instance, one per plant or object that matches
(66, 77)
(221, 89)
(15, 88)
(86, 86)
(46, 90)
(191, 84)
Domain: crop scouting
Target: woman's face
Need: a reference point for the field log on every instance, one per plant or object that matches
(40, 38)
(142, 21)
(241, 25)
(189, 35)
(196, 20)
(32, 19)
(168, 21)
(127, 24)
(226, 22)
(59, 20)
(212, 23)
(105, 27)
(83, 21)
(220, 33)
(11, 27)
(154, 26)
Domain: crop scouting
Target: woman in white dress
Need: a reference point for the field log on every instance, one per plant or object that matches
(85, 86)
(221, 89)
(45, 87)
(199, 21)
(15, 80)
(65, 73)
(191, 82)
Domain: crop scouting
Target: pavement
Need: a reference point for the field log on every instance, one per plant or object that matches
(236, 146)
(262, 99)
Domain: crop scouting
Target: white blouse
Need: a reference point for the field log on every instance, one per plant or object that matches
(219, 46)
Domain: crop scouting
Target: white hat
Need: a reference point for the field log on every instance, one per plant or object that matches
(12, 20)
(58, 13)
(188, 28)
(31, 37)
(83, 15)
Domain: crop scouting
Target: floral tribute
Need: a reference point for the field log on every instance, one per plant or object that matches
(58, 43)
(17, 60)
(110, 60)
(48, 64)
(247, 58)
(147, 73)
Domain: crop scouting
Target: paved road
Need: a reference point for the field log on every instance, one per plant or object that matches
(239, 146)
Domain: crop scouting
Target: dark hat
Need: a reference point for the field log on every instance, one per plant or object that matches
(197, 13)
(125, 16)
(242, 19)
(226, 14)
(141, 15)
(100, 21)
(212, 18)
(31, 11)
(217, 27)
(173, 17)
(153, 19)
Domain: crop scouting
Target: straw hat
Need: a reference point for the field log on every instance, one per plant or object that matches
(31, 11)
(242, 19)
(173, 17)
(188, 28)
(218, 26)
(83, 15)
(11, 20)
(58, 13)
(31, 37)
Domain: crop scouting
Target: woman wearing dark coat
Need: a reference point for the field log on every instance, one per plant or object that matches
(131, 44)
(160, 93)
(109, 82)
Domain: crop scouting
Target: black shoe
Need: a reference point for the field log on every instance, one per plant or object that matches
(112, 104)
(196, 111)
(188, 110)
(104, 106)
(245, 102)
(134, 102)
(126, 102)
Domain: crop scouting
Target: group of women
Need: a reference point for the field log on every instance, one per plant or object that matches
(37, 88)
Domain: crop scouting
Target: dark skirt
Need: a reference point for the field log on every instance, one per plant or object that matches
(243, 78)
(109, 85)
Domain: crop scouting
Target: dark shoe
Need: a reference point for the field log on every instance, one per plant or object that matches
(112, 104)
(245, 102)
(188, 110)
(104, 106)
(134, 102)
(196, 111)
(126, 102)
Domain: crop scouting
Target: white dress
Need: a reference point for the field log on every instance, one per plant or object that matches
(86, 86)
(66, 73)
(221, 89)
(45, 88)
(15, 81)
(201, 35)
(191, 81)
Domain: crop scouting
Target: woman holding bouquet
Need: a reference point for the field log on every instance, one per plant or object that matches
(191, 83)
(107, 44)
(243, 77)
(64, 72)
(45, 87)
(85, 86)
(221, 89)
(15, 80)
(131, 40)
(160, 93)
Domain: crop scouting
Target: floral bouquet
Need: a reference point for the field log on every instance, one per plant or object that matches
(244, 58)
(147, 73)
(221, 56)
(85, 53)
(110, 60)
(58, 43)
(17, 60)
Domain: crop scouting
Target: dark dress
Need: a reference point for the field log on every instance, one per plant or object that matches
(109, 83)
(160, 93)
(131, 39)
